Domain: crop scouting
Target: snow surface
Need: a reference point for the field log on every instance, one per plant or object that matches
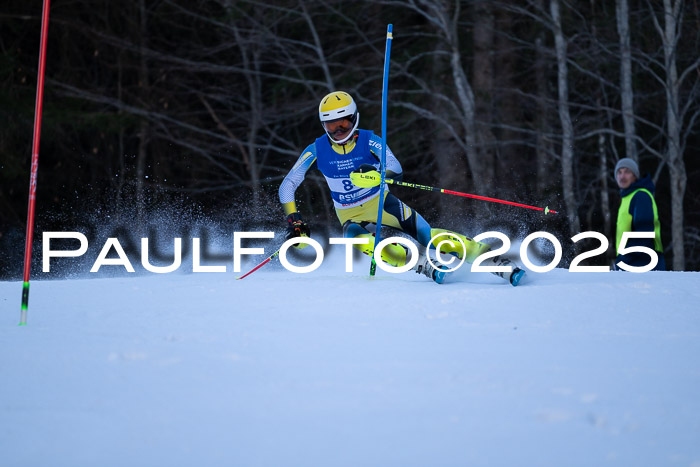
(336, 369)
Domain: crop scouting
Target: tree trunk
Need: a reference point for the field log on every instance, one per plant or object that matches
(256, 109)
(483, 84)
(567, 146)
(451, 166)
(466, 100)
(508, 107)
(144, 127)
(249, 56)
(626, 91)
(322, 62)
(603, 174)
(674, 154)
(542, 145)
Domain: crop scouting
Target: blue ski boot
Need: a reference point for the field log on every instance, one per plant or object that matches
(516, 276)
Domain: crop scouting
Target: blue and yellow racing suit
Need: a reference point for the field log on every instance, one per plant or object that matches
(357, 207)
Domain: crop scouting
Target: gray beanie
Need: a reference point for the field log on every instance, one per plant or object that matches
(628, 163)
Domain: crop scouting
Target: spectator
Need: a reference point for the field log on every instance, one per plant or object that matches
(637, 213)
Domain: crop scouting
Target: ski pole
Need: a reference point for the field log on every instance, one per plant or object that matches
(546, 209)
(269, 258)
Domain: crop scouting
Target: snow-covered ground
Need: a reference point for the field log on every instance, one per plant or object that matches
(336, 369)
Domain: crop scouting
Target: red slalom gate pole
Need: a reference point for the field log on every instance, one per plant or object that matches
(35, 162)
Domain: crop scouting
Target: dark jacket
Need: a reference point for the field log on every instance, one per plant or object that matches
(641, 208)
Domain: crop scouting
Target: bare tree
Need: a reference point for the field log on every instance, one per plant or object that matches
(483, 84)
(459, 112)
(670, 32)
(626, 91)
(543, 148)
(604, 175)
(567, 144)
(144, 132)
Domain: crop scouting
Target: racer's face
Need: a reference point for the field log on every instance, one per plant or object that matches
(338, 128)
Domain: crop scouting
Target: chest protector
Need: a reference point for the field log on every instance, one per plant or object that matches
(336, 169)
(624, 220)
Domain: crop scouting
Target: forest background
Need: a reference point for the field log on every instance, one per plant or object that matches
(198, 109)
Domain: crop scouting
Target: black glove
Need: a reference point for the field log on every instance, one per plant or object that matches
(364, 168)
(296, 227)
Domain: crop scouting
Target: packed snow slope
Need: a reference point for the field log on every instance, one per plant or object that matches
(336, 369)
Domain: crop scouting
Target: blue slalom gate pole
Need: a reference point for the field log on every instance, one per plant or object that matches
(385, 89)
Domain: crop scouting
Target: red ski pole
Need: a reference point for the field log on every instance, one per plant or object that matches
(35, 162)
(545, 209)
(267, 260)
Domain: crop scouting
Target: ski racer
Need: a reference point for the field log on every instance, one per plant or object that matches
(341, 154)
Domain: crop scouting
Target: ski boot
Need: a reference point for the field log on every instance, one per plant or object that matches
(424, 267)
(516, 274)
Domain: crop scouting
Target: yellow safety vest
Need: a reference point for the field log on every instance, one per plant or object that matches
(624, 220)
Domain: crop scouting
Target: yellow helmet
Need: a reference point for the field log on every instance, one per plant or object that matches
(335, 106)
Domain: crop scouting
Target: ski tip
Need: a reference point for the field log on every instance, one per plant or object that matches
(517, 276)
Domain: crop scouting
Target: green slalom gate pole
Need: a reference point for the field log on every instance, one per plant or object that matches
(545, 209)
(385, 89)
(35, 163)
